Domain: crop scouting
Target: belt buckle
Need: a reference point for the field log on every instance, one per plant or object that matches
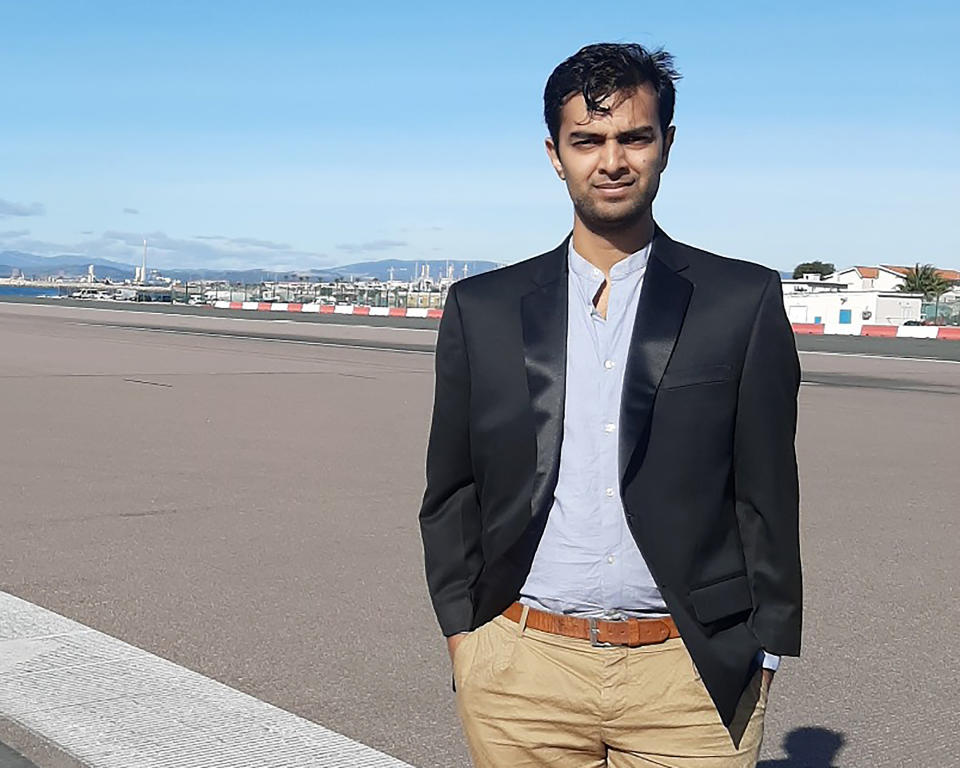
(594, 633)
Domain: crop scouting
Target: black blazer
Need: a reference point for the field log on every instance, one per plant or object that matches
(708, 472)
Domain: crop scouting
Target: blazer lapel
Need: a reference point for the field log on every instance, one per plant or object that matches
(544, 320)
(664, 298)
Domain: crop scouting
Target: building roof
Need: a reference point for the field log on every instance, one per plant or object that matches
(950, 275)
(870, 273)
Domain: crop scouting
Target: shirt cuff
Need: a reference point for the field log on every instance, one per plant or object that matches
(768, 660)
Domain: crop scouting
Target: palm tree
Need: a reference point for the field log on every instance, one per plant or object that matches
(925, 279)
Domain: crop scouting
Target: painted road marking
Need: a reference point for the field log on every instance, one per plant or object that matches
(359, 325)
(882, 357)
(109, 704)
(220, 335)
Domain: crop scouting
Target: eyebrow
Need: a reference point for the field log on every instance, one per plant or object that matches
(643, 130)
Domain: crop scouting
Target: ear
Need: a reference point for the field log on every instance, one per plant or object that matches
(667, 144)
(554, 156)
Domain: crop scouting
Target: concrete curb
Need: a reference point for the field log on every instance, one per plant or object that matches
(108, 704)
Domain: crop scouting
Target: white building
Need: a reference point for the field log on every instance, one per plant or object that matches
(868, 278)
(849, 299)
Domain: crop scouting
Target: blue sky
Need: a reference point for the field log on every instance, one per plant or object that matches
(306, 134)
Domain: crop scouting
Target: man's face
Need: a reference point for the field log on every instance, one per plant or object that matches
(612, 162)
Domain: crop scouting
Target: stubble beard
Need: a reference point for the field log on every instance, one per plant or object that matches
(607, 219)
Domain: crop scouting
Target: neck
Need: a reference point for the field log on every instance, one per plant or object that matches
(604, 248)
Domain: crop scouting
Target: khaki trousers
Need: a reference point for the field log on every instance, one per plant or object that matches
(528, 698)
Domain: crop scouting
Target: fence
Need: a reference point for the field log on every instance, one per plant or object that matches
(942, 312)
(360, 294)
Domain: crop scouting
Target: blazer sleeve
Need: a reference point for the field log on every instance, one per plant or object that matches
(450, 510)
(765, 475)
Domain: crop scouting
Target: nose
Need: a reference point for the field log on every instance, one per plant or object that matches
(612, 159)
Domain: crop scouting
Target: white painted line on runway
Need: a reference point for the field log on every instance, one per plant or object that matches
(187, 332)
(135, 312)
(882, 357)
(109, 704)
(206, 334)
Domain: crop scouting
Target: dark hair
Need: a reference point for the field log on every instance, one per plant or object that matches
(600, 70)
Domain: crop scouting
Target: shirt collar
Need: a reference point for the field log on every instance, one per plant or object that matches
(584, 269)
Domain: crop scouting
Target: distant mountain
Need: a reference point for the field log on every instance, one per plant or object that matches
(66, 266)
(248, 276)
(32, 265)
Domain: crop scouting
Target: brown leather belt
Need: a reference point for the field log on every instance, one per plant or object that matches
(630, 632)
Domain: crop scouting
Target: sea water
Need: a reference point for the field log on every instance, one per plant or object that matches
(26, 290)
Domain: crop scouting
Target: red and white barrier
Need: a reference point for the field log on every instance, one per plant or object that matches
(330, 309)
(889, 331)
(818, 329)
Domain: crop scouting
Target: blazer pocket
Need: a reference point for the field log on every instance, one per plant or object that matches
(721, 599)
(689, 376)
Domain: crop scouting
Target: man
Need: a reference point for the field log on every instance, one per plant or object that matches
(610, 522)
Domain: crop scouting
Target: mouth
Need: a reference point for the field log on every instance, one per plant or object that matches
(613, 187)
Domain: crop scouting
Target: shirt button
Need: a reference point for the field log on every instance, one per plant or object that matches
(608, 364)
(609, 491)
(610, 559)
(609, 427)
(596, 272)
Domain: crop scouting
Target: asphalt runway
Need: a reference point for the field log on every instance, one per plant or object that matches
(240, 497)
(353, 330)
(11, 759)
(205, 311)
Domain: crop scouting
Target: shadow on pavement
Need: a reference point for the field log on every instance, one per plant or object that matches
(808, 748)
(11, 759)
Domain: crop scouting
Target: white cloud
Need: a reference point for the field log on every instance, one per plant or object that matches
(371, 245)
(19, 209)
(252, 242)
(165, 251)
(207, 252)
